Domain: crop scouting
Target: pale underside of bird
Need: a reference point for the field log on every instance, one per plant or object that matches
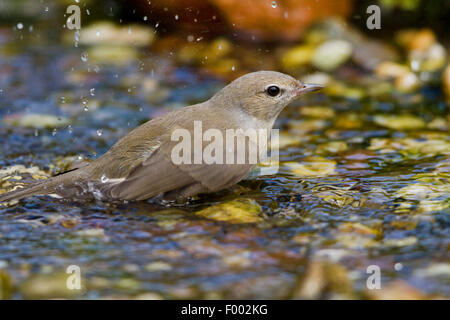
(141, 165)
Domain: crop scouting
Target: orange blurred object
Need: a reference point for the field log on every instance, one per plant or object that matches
(281, 19)
(267, 20)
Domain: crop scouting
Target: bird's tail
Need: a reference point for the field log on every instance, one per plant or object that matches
(22, 193)
(47, 186)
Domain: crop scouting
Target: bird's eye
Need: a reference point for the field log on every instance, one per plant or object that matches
(273, 91)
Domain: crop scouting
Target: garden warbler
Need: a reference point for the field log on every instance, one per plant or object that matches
(146, 163)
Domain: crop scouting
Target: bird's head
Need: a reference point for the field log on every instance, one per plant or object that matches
(263, 94)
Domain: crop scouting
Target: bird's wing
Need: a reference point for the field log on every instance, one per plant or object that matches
(158, 174)
(153, 176)
(140, 166)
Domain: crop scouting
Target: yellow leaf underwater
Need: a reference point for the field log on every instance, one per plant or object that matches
(236, 211)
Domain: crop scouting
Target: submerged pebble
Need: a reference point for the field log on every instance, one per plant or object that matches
(6, 285)
(321, 112)
(297, 57)
(331, 54)
(332, 147)
(312, 167)
(324, 279)
(397, 290)
(48, 286)
(446, 83)
(107, 33)
(399, 122)
(35, 120)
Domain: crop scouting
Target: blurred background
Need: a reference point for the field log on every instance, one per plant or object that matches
(364, 165)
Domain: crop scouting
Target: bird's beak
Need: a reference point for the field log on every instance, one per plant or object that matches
(308, 87)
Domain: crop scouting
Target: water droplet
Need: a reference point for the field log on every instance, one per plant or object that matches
(85, 105)
(233, 68)
(20, 26)
(92, 91)
(54, 132)
(84, 56)
(87, 12)
(99, 132)
(274, 4)
(176, 17)
(76, 38)
(104, 178)
(145, 18)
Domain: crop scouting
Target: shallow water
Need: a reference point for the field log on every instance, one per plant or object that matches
(358, 214)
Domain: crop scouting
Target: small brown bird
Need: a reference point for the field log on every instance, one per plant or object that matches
(140, 165)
